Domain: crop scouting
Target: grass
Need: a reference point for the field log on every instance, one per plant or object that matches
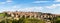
(2, 14)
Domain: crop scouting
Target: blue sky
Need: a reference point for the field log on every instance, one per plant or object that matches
(46, 6)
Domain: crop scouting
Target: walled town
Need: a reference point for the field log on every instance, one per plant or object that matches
(46, 17)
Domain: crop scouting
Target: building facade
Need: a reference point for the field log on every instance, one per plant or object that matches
(44, 16)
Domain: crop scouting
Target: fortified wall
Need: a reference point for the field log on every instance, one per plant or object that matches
(39, 15)
(30, 14)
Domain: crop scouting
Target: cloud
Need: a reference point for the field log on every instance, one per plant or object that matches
(8, 1)
(53, 6)
(26, 9)
(6, 9)
(14, 6)
(31, 9)
(36, 2)
(57, 0)
(40, 1)
(57, 4)
(2, 2)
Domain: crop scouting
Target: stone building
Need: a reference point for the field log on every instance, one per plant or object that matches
(30, 15)
(45, 16)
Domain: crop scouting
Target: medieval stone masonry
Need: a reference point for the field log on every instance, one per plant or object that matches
(45, 16)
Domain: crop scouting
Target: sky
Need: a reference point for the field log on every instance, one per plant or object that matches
(46, 6)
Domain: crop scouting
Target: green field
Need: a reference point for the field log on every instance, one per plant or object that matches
(2, 14)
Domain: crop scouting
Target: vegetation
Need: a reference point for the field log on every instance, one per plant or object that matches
(21, 20)
(2, 14)
(3, 19)
(57, 20)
